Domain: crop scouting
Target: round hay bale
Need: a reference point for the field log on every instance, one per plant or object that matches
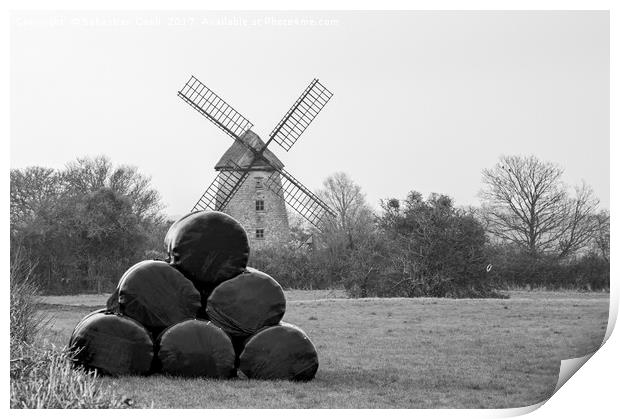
(247, 303)
(208, 247)
(112, 344)
(196, 348)
(157, 295)
(92, 313)
(282, 352)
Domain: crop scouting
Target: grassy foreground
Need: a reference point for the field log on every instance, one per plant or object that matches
(393, 353)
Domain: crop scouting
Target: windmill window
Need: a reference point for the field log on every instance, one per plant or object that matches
(259, 183)
(260, 233)
(260, 205)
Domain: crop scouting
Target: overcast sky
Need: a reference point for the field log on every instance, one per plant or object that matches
(422, 100)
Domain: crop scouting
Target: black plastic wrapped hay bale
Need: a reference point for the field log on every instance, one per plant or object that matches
(208, 247)
(112, 302)
(282, 352)
(112, 344)
(157, 295)
(196, 348)
(247, 303)
(92, 313)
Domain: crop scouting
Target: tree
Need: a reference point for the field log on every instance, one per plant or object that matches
(579, 225)
(601, 234)
(362, 268)
(86, 175)
(110, 233)
(32, 189)
(437, 249)
(87, 222)
(526, 203)
(353, 214)
(350, 239)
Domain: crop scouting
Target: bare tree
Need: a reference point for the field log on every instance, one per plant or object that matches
(601, 233)
(579, 223)
(526, 203)
(345, 197)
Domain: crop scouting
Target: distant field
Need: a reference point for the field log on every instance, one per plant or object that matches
(393, 353)
(95, 300)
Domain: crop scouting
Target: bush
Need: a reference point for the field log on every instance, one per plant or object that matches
(514, 269)
(293, 267)
(397, 284)
(433, 250)
(590, 272)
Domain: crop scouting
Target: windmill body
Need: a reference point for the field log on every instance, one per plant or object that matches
(262, 213)
(252, 184)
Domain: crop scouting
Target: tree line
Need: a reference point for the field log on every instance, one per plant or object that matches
(83, 225)
(531, 230)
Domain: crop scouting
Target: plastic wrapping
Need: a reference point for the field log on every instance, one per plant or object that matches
(112, 344)
(279, 352)
(247, 303)
(208, 247)
(92, 313)
(112, 302)
(196, 348)
(157, 295)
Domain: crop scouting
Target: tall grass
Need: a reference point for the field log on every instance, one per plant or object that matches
(25, 322)
(43, 377)
(46, 380)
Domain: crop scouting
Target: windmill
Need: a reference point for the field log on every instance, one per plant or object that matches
(263, 215)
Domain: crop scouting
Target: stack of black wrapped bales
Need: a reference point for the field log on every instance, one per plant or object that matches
(203, 312)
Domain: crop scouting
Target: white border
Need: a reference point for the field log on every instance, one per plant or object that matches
(592, 392)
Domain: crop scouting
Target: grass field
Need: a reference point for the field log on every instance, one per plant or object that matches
(393, 353)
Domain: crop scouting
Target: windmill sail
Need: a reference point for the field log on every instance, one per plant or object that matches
(298, 197)
(222, 189)
(286, 133)
(214, 108)
(300, 115)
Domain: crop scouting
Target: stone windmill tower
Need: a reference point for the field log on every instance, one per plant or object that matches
(260, 212)
(252, 185)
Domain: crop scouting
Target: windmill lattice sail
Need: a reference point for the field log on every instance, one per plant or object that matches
(300, 115)
(222, 189)
(298, 197)
(214, 108)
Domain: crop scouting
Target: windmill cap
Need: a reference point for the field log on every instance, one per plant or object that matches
(239, 154)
